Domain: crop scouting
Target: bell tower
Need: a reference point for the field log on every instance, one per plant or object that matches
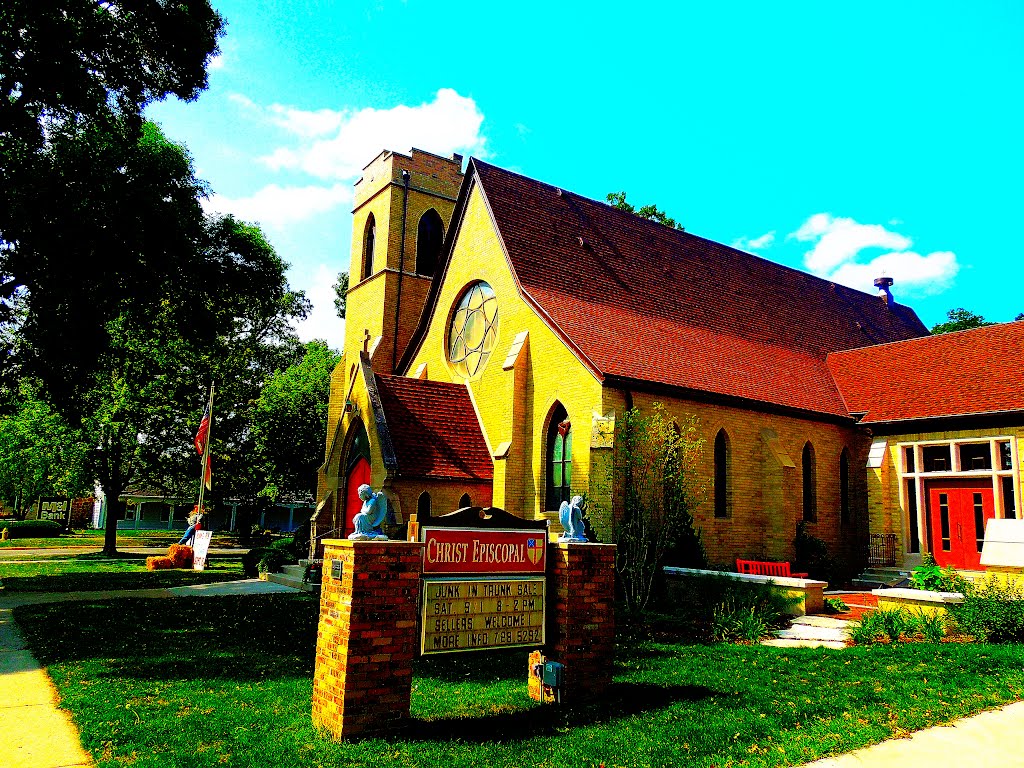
(403, 206)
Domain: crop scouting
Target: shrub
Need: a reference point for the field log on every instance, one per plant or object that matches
(992, 611)
(32, 529)
(932, 625)
(814, 559)
(251, 561)
(930, 577)
(895, 623)
(717, 608)
(835, 605)
(866, 631)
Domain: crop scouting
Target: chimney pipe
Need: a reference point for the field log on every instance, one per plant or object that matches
(883, 284)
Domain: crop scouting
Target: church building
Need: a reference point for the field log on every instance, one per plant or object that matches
(498, 327)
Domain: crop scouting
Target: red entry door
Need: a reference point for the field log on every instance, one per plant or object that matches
(958, 510)
(357, 475)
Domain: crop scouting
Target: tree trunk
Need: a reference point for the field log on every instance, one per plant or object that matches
(115, 511)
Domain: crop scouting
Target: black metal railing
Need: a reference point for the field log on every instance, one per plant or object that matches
(882, 549)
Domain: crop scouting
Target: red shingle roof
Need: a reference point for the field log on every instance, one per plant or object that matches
(642, 301)
(952, 374)
(434, 429)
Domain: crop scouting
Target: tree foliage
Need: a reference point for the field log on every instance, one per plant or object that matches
(289, 423)
(960, 319)
(95, 208)
(618, 200)
(655, 468)
(39, 453)
(340, 297)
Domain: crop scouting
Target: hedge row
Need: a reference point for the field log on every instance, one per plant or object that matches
(31, 529)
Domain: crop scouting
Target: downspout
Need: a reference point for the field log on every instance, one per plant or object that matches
(401, 267)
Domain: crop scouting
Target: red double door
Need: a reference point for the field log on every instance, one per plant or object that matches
(958, 511)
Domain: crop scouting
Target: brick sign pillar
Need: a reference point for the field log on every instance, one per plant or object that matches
(367, 636)
(582, 616)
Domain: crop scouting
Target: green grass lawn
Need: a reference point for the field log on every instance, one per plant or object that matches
(83, 573)
(127, 538)
(228, 681)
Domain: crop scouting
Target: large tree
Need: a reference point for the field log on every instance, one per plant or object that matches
(85, 217)
(652, 212)
(289, 423)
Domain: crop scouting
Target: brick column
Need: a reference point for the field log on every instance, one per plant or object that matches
(367, 636)
(581, 610)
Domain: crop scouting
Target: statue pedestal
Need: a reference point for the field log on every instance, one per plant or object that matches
(366, 639)
(582, 616)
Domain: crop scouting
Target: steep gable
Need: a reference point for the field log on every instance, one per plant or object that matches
(433, 429)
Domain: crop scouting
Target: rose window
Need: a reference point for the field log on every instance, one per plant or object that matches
(474, 330)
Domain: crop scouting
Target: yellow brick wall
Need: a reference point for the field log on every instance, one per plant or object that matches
(552, 372)
(887, 502)
(767, 499)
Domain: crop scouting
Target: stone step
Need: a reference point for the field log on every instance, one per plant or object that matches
(785, 643)
(286, 580)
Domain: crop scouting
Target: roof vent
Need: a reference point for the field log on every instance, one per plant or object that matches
(559, 192)
(883, 284)
(583, 242)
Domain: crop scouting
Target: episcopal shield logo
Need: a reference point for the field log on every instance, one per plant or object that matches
(535, 550)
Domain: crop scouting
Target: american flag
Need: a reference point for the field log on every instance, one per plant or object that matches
(204, 432)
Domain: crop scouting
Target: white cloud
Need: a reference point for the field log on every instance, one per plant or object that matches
(323, 321)
(449, 123)
(757, 243)
(275, 207)
(920, 274)
(839, 240)
(839, 255)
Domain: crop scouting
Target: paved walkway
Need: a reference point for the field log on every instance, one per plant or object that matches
(34, 732)
(993, 739)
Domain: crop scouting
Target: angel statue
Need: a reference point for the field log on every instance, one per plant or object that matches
(371, 517)
(570, 514)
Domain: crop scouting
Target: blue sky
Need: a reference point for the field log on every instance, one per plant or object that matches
(844, 139)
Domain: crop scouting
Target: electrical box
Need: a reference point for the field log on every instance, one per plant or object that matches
(553, 674)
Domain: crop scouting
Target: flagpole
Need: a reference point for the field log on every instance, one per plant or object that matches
(206, 452)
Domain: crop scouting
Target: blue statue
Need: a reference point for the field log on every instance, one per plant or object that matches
(371, 517)
(570, 514)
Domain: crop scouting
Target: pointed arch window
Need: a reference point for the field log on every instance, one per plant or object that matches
(722, 489)
(810, 484)
(429, 236)
(369, 242)
(844, 486)
(559, 458)
(423, 506)
(465, 501)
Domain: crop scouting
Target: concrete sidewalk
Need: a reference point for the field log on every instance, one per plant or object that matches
(993, 739)
(34, 731)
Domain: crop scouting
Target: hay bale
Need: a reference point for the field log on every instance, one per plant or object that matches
(159, 563)
(181, 555)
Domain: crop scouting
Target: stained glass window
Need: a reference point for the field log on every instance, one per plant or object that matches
(474, 330)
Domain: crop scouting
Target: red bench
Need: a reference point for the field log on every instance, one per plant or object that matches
(763, 568)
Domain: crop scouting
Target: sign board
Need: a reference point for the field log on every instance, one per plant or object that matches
(200, 548)
(1004, 543)
(54, 508)
(477, 614)
(468, 550)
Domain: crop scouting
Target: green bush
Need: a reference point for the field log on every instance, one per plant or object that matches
(992, 611)
(835, 605)
(895, 623)
(867, 630)
(814, 559)
(932, 625)
(31, 529)
(251, 562)
(930, 577)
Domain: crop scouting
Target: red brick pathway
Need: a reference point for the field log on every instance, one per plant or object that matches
(858, 602)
